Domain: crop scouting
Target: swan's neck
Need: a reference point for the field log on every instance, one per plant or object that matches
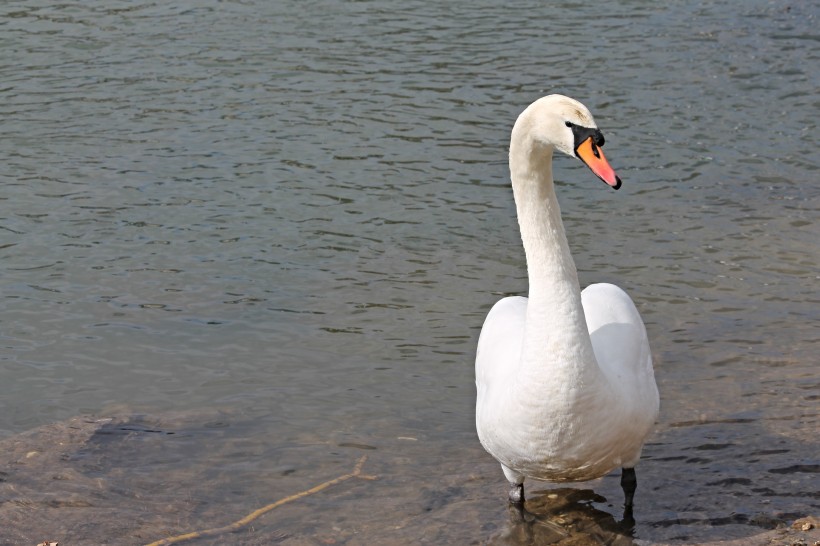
(556, 339)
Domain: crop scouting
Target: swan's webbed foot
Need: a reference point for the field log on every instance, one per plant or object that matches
(516, 495)
(628, 483)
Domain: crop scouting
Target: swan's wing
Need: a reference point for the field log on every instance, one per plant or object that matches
(620, 343)
(499, 345)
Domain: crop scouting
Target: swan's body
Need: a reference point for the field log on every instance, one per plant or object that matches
(566, 390)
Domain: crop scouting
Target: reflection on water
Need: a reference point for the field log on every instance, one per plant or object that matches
(298, 213)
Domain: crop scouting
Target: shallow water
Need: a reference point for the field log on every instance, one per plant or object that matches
(299, 212)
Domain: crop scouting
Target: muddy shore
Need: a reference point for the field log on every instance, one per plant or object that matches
(116, 480)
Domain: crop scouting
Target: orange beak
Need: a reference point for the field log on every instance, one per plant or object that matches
(593, 156)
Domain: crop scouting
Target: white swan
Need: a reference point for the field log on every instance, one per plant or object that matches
(566, 390)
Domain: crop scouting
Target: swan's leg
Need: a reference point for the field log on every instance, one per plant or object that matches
(516, 480)
(516, 494)
(628, 483)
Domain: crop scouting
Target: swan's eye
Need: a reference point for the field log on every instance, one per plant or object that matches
(568, 123)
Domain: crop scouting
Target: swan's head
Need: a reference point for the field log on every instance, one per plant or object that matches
(566, 125)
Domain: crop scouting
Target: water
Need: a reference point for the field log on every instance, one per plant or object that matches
(299, 213)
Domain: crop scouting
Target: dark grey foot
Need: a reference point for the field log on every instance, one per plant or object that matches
(516, 493)
(628, 483)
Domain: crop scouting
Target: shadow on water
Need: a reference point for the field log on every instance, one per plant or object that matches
(564, 516)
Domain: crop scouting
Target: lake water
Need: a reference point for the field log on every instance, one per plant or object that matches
(297, 214)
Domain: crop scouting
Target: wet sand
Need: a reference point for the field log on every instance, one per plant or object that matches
(136, 479)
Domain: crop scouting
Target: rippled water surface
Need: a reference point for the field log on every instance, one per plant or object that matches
(298, 214)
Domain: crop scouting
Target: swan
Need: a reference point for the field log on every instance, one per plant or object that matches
(564, 378)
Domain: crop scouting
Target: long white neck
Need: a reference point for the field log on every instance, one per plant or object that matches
(556, 339)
